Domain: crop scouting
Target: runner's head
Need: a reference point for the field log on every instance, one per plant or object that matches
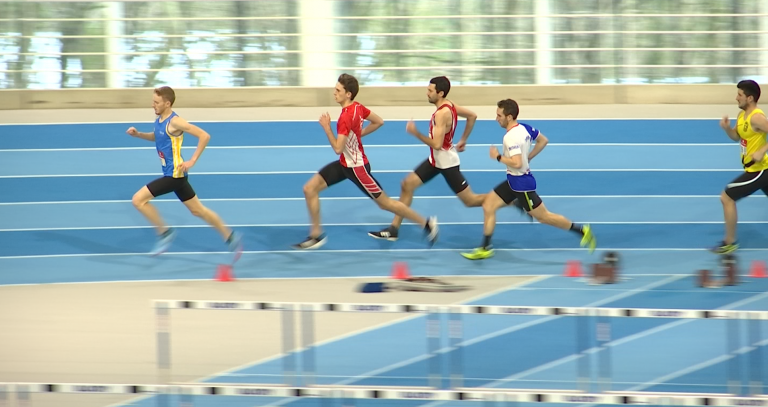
(748, 94)
(346, 89)
(163, 99)
(438, 89)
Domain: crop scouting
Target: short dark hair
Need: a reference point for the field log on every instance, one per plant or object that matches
(350, 84)
(750, 88)
(166, 93)
(510, 108)
(442, 84)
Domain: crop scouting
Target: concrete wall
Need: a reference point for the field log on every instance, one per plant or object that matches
(373, 96)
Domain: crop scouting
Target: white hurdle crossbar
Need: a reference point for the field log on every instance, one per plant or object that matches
(585, 316)
(425, 394)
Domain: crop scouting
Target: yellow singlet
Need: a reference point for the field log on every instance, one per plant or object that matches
(751, 141)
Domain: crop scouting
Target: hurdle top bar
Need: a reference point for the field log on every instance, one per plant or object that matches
(462, 309)
(397, 393)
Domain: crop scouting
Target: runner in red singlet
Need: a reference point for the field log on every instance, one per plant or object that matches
(352, 165)
(443, 156)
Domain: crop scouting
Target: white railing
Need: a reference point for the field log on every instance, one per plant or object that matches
(383, 51)
(433, 17)
(368, 68)
(313, 41)
(393, 34)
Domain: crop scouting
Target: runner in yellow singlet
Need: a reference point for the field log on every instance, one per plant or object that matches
(750, 132)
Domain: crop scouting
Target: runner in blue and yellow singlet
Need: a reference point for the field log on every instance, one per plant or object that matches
(750, 132)
(168, 136)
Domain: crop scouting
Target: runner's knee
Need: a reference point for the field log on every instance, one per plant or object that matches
(313, 186)
(139, 199)
(410, 183)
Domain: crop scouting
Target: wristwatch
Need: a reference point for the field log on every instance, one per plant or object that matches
(498, 158)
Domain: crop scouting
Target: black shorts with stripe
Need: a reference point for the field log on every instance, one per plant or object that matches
(453, 176)
(334, 173)
(528, 200)
(747, 184)
(166, 185)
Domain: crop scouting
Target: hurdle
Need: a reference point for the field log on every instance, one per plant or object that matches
(331, 393)
(593, 325)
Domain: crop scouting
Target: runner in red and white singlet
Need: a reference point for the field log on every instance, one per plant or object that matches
(443, 154)
(352, 165)
(351, 123)
(446, 155)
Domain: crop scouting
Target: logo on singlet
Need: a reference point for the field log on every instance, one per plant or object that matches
(162, 158)
(745, 127)
(351, 144)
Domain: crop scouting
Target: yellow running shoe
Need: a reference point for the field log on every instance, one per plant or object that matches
(479, 254)
(724, 248)
(588, 238)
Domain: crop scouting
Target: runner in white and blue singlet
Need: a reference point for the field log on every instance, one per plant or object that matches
(520, 185)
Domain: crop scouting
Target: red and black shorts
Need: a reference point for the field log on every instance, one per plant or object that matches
(334, 173)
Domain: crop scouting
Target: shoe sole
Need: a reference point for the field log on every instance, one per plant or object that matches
(435, 232)
(469, 256)
(155, 254)
(238, 252)
(313, 247)
(165, 249)
(389, 239)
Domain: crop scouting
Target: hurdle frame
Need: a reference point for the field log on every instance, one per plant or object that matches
(589, 320)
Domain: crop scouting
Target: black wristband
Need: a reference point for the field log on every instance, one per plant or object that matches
(498, 158)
